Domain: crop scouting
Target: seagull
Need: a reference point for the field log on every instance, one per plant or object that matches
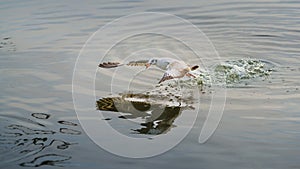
(173, 68)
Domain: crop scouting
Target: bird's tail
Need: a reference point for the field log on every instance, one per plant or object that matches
(194, 67)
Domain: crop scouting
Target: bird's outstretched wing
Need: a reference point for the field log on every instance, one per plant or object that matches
(117, 64)
(109, 64)
(165, 77)
(175, 70)
(137, 63)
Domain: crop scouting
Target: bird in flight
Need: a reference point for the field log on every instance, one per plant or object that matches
(173, 68)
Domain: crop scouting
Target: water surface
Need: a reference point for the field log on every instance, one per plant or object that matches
(40, 41)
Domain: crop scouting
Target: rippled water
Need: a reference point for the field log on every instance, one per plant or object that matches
(40, 41)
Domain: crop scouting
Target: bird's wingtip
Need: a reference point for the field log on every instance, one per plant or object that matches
(109, 64)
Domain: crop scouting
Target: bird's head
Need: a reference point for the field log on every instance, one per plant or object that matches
(152, 61)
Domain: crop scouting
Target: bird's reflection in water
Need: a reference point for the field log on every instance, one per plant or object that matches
(157, 117)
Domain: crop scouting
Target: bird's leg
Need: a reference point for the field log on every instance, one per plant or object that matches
(190, 75)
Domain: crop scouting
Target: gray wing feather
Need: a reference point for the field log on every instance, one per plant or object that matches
(117, 64)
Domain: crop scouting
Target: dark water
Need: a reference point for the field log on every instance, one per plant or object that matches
(40, 41)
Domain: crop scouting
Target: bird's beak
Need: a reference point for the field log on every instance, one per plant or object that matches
(147, 65)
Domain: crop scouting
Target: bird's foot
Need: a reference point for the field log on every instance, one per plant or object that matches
(190, 75)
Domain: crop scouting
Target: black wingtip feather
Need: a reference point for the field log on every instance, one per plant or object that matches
(109, 64)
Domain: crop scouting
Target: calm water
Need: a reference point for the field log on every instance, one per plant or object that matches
(40, 42)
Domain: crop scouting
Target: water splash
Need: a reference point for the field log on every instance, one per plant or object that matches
(230, 73)
(236, 71)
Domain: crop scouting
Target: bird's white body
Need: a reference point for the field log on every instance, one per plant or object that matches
(174, 68)
(163, 63)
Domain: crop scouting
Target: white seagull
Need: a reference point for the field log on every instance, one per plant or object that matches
(173, 68)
